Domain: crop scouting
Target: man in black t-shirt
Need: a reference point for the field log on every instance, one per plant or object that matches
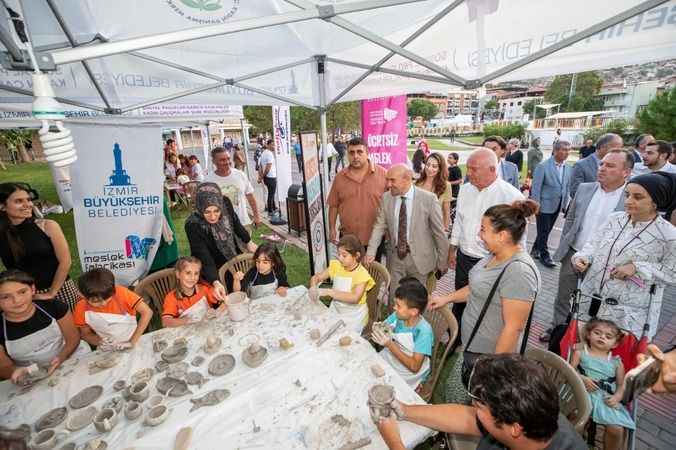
(587, 149)
(514, 405)
(454, 173)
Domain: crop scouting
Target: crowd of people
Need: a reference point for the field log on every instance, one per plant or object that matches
(618, 243)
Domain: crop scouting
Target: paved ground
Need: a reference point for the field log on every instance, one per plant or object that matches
(657, 415)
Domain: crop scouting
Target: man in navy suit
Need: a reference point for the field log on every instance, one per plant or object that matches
(506, 170)
(550, 189)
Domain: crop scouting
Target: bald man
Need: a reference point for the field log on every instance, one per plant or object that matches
(483, 190)
(418, 245)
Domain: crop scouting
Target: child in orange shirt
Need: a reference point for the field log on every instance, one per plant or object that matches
(191, 301)
(107, 313)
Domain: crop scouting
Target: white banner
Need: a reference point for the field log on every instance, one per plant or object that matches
(281, 124)
(61, 177)
(117, 185)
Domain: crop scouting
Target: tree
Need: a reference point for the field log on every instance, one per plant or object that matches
(587, 87)
(423, 108)
(260, 118)
(344, 116)
(491, 105)
(659, 117)
(617, 126)
(17, 139)
(507, 131)
(528, 107)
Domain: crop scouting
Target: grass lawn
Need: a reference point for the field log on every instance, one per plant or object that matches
(472, 139)
(40, 178)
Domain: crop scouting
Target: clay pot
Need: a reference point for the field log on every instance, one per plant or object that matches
(157, 415)
(154, 401)
(380, 398)
(139, 392)
(133, 410)
(47, 439)
(81, 419)
(105, 420)
(238, 306)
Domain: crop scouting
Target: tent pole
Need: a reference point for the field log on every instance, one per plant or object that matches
(401, 73)
(443, 13)
(7, 39)
(71, 39)
(584, 34)
(245, 144)
(275, 96)
(5, 87)
(321, 78)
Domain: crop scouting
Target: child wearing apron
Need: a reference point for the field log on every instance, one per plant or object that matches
(33, 332)
(191, 301)
(107, 313)
(268, 277)
(409, 347)
(351, 283)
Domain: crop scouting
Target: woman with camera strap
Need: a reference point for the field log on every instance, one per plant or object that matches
(635, 249)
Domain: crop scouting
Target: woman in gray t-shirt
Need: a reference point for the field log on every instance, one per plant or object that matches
(500, 331)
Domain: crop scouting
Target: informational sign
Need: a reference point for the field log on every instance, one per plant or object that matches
(117, 187)
(383, 124)
(314, 203)
(281, 125)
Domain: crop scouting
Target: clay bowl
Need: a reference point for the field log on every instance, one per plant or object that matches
(221, 365)
(51, 419)
(175, 353)
(154, 401)
(132, 410)
(139, 392)
(142, 375)
(115, 403)
(46, 439)
(157, 415)
(178, 370)
(81, 419)
(94, 444)
(161, 366)
(105, 420)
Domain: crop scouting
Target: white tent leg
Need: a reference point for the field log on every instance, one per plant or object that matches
(321, 78)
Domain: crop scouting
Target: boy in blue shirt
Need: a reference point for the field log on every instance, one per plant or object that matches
(409, 347)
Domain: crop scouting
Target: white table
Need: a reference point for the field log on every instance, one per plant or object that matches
(290, 400)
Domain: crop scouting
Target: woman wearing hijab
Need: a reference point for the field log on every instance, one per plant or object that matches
(211, 232)
(634, 250)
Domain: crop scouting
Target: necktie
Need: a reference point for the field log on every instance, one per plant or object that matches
(402, 243)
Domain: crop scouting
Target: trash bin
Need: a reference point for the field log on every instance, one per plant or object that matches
(295, 208)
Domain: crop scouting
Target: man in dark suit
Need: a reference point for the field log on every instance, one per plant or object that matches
(587, 149)
(506, 170)
(550, 189)
(587, 213)
(584, 171)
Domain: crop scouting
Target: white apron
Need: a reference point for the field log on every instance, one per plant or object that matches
(405, 342)
(355, 316)
(40, 347)
(262, 290)
(115, 328)
(197, 311)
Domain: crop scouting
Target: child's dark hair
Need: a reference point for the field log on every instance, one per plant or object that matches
(413, 293)
(270, 250)
(184, 261)
(593, 323)
(351, 244)
(16, 276)
(97, 283)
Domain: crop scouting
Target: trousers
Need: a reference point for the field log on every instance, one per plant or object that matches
(545, 224)
(400, 268)
(271, 184)
(567, 284)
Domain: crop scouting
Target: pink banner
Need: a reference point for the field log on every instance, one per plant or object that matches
(383, 125)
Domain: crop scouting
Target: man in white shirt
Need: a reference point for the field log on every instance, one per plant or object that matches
(267, 174)
(235, 185)
(655, 159)
(483, 190)
(588, 212)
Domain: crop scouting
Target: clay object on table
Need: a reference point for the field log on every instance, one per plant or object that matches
(238, 306)
(179, 389)
(35, 374)
(154, 401)
(51, 419)
(175, 353)
(105, 420)
(212, 344)
(345, 341)
(285, 344)
(180, 342)
(183, 438)
(81, 419)
(139, 392)
(330, 332)
(377, 370)
(115, 403)
(197, 361)
(157, 415)
(95, 444)
(221, 365)
(315, 334)
(363, 442)
(211, 398)
(119, 385)
(380, 399)
(340, 420)
(254, 355)
(106, 362)
(46, 439)
(178, 370)
(195, 378)
(160, 345)
(68, 446)
(164, 384)
(383, 328)
(85, 397)
(142, 375)
(161, 366)
(132, 410)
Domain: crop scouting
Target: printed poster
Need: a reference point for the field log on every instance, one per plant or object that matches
(383, 124)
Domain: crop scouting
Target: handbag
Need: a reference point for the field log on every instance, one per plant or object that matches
(470, 358)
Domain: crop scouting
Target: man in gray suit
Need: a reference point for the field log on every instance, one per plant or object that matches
(506, 170)
(587, 213)
(413, 218)
(584, 171)
(550, 189)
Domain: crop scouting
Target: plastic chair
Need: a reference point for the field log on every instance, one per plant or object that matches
(574, 402)
(445, 327)
(156, 286)
(240, 263)
(381, 276)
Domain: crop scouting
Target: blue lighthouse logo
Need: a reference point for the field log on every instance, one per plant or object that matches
(119, 176)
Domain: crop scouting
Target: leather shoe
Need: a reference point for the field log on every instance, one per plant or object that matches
(547, 262)
(534, 254)
(546, 335)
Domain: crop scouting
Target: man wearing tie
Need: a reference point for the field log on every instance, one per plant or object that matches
(413, 218)
(550, 189)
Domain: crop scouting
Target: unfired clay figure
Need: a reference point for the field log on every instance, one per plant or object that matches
(221, 365)
(85, 397)
(254, 355)
(51, 419)
(211, 398)
(105, 420)
(345, 341)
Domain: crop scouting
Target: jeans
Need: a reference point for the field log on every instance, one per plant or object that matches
(271, 184)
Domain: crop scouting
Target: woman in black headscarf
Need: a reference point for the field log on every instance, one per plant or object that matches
(633, 251)
(211, 232)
